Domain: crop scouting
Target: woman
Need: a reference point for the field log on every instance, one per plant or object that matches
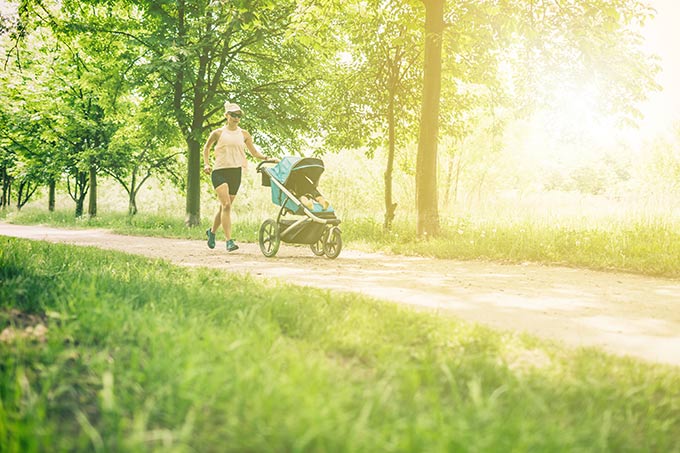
(230, 142)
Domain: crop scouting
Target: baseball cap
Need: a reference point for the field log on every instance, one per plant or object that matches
(231, 107)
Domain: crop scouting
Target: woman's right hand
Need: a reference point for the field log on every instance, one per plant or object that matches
(206, 169)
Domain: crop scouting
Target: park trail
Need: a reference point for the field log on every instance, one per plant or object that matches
(620, 313)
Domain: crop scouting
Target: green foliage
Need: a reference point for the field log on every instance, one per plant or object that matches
(141, 148)
(378, 67)
(312, 76)
(583, 46)
(186, 60)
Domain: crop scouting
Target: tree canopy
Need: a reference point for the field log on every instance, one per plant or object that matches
(90, 86)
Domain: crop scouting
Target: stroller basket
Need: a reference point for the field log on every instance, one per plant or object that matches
(266, 179)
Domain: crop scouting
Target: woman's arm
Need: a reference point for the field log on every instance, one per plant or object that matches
(251, 146)
(214, 136)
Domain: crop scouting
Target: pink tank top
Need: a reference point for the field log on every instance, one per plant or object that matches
(230, 149)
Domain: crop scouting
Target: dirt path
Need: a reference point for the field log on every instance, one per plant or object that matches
(620, 313)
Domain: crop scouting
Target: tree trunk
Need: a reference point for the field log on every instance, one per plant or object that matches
(458, 169)
(390, 207)
(132, 204)
(52, 195)
(132, 199)
(26, 191)
(188, 125)
(6, 187)
(92, 205)
(21, 194)
(426, 164)
(80, 192)
(79, 208)
(449, 182)
(193, 217)
(193, 206)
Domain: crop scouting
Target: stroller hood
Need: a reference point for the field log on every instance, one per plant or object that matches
(291, 167)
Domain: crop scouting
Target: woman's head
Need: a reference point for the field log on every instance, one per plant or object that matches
(232, 110)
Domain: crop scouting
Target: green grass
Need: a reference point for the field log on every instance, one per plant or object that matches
(141, 355)
(649, 246)
(121, 223)
(644, 246)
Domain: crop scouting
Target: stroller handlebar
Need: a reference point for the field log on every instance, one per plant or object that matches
(268, 161)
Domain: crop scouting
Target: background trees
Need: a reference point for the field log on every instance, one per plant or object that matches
(112, 87)
(195, 55)
(142, 147)
(380, 70)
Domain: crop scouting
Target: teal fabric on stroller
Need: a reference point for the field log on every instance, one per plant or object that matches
(300, 176)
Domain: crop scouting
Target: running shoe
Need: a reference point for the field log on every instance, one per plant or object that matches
(211, 238)
(231, 245)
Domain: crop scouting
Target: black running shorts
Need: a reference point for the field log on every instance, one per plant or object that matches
(231, 176)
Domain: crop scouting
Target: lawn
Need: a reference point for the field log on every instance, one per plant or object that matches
(104, 351)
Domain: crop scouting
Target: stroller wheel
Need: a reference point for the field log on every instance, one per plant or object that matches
(333, 244)
(318, 246)
(269, 238)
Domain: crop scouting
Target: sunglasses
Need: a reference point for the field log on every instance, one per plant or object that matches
(236, 114)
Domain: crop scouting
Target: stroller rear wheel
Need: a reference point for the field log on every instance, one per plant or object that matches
(333, 244)
(269, 238)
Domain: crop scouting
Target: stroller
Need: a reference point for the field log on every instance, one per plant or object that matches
(289, 180)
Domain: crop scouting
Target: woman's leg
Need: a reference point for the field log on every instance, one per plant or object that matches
(226, 201)
(217, 221)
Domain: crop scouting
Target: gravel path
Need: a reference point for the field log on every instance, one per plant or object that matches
(620, 313)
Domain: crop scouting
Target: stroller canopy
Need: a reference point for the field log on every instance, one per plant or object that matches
(292, 169)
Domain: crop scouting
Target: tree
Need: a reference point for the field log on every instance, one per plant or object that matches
(194, 56)
(7, 162)
(78, 123)
(61, 106)
(189, 57)
(426, 163)
(378, 82)
(25, 159)
(594, 47)
(139, 149)
(598, 40)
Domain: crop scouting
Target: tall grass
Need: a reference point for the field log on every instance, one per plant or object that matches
(645, 247)
(140, 355)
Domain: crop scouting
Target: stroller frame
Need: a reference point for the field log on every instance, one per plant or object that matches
(319, 230)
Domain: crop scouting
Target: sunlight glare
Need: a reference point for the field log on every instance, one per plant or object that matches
(574, 130)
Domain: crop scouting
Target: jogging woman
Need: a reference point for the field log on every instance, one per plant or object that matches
(230, 143)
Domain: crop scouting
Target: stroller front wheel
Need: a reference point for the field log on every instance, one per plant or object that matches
(318, 246)
(269, 238)
(333, 244)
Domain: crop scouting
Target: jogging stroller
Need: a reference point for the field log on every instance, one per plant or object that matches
(291, 179)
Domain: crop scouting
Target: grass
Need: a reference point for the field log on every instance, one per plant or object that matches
(141, 355)
(648, 246)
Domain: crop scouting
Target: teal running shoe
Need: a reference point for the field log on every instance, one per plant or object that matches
(211, 238)
(231, 245)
